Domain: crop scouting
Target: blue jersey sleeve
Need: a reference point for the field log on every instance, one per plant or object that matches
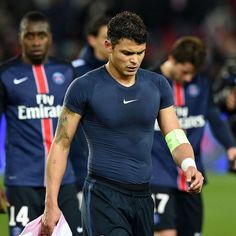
(166, 93)
(76, 95)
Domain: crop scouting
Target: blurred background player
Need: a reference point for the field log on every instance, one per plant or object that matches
(32, 88)
(225, 91)
(177, 212)
(225, 95)
(93, 55)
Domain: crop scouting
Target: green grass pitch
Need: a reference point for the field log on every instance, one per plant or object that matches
(219, 197)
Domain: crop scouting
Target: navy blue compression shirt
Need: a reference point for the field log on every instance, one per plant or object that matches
(119, 121)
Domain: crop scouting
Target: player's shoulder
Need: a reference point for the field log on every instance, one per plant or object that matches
(94, 75)
(11, 62)
(81, 66)
(202, 79)
(90, 78)
(60, 61)
(152, 76)
(61, 65)
(78, 62)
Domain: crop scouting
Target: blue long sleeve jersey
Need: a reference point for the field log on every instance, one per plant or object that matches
(31, 97)
(194, 107)
(119, 122)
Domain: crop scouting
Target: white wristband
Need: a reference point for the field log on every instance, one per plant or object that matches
(187, 162)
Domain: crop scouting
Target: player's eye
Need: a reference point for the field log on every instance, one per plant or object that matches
(29, 36)
(128, 53)
(42, 35)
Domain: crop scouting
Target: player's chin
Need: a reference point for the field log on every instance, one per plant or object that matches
(37, 59)
(131, 72)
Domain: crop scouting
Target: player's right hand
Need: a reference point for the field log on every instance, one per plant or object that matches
(50, 218)
(195, 180)
(3, 201)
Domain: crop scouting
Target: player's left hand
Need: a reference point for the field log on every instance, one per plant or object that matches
(231, 153)
(50, 218)
(194, 179)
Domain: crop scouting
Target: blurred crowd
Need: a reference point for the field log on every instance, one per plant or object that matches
(212, 20)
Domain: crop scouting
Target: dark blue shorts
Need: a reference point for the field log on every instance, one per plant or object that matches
(178, 210)
(111, 209)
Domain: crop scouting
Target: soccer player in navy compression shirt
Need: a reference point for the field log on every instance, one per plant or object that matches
(117, 106)
(32, 88)
(176, 212)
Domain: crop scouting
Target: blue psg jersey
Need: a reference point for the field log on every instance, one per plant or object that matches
(118, 122)
(194, 108)
(32, 97)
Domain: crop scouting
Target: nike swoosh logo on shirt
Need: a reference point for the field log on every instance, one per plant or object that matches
(19, 81)
(129, 101)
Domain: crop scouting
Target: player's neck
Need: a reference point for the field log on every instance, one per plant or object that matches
(125, 80)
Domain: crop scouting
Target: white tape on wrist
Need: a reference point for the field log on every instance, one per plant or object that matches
(188, 162)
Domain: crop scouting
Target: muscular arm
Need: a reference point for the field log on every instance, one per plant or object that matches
(57, 158)
(168, 121)
(56, 165)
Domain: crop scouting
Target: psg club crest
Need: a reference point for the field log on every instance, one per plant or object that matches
(58, 78)
(193, 90)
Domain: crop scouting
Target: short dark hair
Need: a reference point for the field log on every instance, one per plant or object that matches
(189, 49)
(34, 16)
(127, 25)
(95, 24)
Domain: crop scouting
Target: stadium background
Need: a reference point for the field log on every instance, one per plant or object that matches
(212, 20)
